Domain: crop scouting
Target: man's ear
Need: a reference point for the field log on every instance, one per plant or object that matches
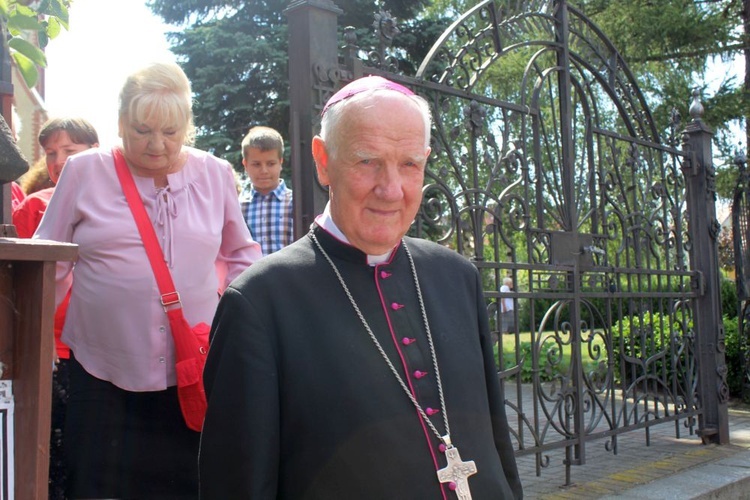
(321, 159)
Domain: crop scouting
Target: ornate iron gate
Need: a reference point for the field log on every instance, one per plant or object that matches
(547, 168)
(741, 238)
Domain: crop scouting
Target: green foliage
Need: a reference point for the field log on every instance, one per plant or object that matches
(668, 45)
(546, 372)
(647, 345)
(727, 175)
(733, 356)
(45, 19)
(236, 56)
(235, 53)
(729, 301)
(527, 367)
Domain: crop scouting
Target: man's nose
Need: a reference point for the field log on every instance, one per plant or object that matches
(389, 183)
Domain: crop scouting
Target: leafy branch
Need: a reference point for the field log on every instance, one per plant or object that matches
(21, 18)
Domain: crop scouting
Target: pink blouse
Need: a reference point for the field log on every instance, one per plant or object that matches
(116, 326)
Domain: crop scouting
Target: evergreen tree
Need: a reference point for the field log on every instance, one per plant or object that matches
(235, 54)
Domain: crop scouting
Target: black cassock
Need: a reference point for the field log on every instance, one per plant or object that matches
(303, 406)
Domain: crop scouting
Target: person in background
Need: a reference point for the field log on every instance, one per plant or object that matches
(125, 434)
(266, 201)
(60, 138)
(357, 362)
(507, 315)
(16, 195)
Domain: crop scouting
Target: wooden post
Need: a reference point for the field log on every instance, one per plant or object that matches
(27, 295)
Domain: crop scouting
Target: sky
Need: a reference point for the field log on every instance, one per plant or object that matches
(87, 65)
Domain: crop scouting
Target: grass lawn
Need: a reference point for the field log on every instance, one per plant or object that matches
(550, 361)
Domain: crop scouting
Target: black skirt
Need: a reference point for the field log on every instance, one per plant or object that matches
(56, 452)
(122, 444)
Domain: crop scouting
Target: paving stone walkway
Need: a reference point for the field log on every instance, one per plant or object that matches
(635, 465)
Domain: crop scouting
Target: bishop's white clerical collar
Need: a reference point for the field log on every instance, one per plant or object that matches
(325, 221)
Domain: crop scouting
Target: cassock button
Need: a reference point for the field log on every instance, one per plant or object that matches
(442, 447)
(452, 486)
(396, 306)
(419, 374)
(431, 411)
(385, 274)
(407, 340)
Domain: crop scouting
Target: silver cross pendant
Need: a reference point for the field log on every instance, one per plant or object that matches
(457, 472)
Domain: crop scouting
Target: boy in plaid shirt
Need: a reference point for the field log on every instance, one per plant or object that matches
(266, 202)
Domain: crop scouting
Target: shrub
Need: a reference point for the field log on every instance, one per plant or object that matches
(729, 301)
(648, 344)
(547, 372)
(736, 374)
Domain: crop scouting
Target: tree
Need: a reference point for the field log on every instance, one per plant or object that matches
(45, 19)
(669, 45)
(235, 54)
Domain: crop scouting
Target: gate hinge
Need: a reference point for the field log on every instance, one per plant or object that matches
(698, 282)
(690, 163)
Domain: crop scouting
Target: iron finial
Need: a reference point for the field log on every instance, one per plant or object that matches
(696, 108)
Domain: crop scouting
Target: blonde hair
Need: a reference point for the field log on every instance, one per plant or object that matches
(160, 91)
(37, 178)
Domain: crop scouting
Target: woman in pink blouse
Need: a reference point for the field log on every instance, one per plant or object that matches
(125, 435)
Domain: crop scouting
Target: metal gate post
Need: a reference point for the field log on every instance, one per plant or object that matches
(312, 50)
(700, 179)
(741, 239)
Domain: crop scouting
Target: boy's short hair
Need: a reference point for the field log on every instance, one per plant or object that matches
(263, 138)
(79, 130)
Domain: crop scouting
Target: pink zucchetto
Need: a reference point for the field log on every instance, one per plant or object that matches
(362, 85)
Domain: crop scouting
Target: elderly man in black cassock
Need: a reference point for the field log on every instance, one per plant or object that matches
(357, 362)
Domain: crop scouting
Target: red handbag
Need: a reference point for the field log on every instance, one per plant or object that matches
(191, 343)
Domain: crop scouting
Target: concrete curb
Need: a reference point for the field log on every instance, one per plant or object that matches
(728, 478)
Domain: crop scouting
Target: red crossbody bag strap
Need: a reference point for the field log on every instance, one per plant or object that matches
(169, 296)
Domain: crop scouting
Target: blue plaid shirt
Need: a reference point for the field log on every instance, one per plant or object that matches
(269, 217)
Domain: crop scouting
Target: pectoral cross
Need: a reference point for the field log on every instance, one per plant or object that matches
(457, 472)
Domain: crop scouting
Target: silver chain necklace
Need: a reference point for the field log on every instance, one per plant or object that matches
(456, 473)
